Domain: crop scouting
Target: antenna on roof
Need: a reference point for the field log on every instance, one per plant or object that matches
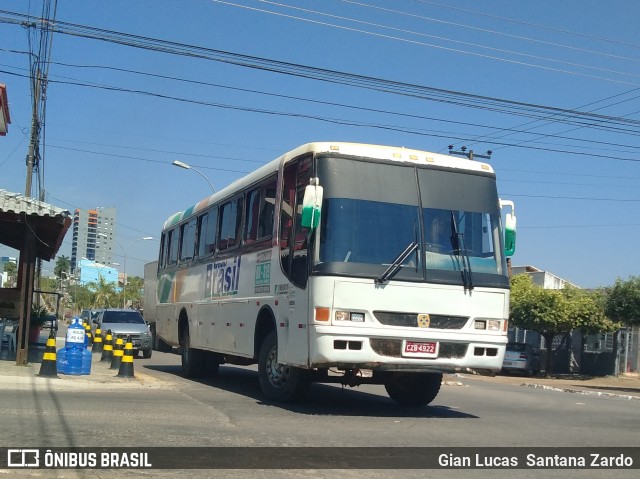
(470, 154)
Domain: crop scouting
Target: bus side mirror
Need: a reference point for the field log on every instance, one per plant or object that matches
(509, 229)
(312, 204)
(510, 235)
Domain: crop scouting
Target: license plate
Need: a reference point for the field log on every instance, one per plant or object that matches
(419, 349)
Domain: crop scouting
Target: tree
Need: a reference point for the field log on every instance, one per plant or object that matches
(588, 312)
(63, 265)
(104, 293)
(135, 285)
(553, 312)
(12, 270)
(542, 310)
(623, 301)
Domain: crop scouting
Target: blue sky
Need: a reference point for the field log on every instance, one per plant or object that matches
(117, 116)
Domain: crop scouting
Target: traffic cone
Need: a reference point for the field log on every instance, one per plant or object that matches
(107, 349)
(126, 366)
(117, 354)
(48, 368)
(87, 329)
(97, 342)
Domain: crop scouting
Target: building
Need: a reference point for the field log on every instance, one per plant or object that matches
(93, 236)
(92, 271)
(542, 278)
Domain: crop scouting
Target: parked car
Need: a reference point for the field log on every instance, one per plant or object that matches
(522, 358)
(50, 322)
(126, 322)
(88, 315)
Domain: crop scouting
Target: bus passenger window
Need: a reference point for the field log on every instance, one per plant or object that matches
(230, 222)
(267, 209)
(251, 215)
(259, 212)
(162, 252)
(187, 240)
(173, 247)
(207, 232)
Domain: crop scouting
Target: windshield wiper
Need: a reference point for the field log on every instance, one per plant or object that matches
(457, 242)
(397, 263)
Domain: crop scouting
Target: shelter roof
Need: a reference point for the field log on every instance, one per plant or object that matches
(19, 214)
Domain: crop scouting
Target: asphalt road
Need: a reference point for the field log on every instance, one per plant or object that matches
(161, 408)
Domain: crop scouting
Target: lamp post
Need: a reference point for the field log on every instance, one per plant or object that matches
(181, 164)
(124, 263)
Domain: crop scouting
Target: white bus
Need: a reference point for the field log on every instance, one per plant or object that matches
(341, 262)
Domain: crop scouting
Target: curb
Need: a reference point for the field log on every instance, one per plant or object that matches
(582, 391)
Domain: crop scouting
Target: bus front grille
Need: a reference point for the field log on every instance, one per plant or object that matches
(393, 348)
(410, 320)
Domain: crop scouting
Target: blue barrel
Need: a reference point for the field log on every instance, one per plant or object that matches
(86, 361)
(74, 361)
(61, 361)
(76, 337)
(75, 345)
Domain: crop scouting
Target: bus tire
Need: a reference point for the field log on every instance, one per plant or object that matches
(413, 389)
(193, 360)
(212, 363)
(280, 383)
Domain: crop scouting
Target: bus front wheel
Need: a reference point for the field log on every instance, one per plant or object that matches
(413, 389)
(279, 382)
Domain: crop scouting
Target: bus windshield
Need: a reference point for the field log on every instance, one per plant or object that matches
(372, 212)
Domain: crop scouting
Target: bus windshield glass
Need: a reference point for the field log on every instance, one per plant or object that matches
(373, 211)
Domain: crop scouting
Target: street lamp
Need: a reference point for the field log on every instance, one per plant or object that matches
(124, 262)
(181, 164)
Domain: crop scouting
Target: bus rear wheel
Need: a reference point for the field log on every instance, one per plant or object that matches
(193, 360)
(413, 389)
(279, 382)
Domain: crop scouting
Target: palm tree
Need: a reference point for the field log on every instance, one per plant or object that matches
(63, 265)
(134, 290)
(104, 293)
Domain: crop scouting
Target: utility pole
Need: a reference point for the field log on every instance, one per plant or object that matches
(471, 155)
(35, 134)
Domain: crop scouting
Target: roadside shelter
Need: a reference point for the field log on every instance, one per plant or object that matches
(36, 229)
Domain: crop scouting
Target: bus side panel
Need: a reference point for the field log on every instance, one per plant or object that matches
(293, 338)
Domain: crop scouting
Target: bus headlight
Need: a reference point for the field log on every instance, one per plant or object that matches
(493, 325)
(488, 324)
(349, 316)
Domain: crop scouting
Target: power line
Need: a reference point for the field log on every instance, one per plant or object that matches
(336, 120)
(485, 30)
(530, 24)
(626, 200)
(332, 76)
(422, 34)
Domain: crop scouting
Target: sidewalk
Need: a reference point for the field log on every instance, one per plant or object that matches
(101, 376)
(622, 387)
